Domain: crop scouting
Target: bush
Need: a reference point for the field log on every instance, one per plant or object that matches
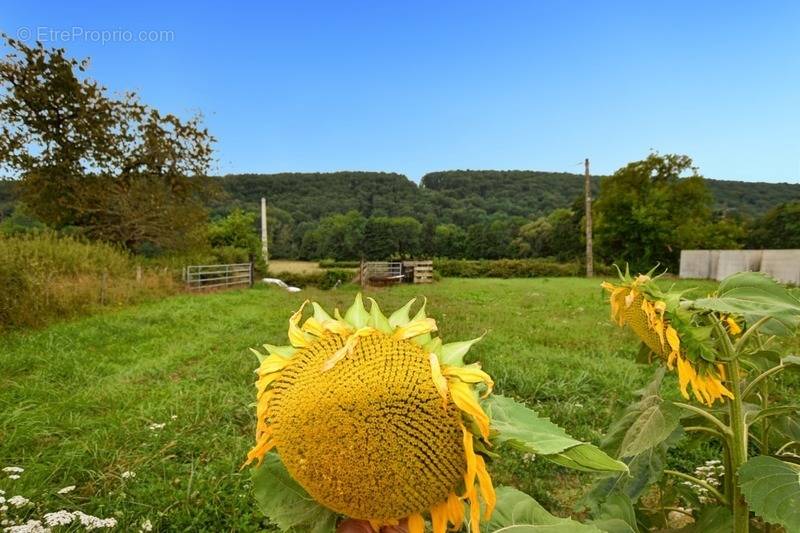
(511, 268)
(323, 280)
(45, 277)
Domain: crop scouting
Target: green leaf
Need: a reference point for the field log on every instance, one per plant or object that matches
(616, 515)
(453, 353)
(357, 315)
(651, 427)
(286, 503)
(754, 296)
(422, 340)
(777, 410)
(516, 512)
(589, 458)
(712, 519)
(772, 489)
(524, 430)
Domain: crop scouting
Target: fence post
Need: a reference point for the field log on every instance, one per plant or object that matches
(138, 273)
(103, 281)
(251, 275)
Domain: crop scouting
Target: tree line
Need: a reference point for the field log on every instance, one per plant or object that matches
(113, 169)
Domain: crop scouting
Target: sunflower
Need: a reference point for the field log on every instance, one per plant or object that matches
(368, 415)
(639, 304)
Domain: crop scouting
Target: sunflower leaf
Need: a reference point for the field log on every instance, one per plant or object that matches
(523, 429)
(754, 295)
(285, 502)
(772, 489)
(283, 351)
(516, 512)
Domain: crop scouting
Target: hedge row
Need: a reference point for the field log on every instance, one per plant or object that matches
(331, 263)
(326, 279)
(511, 268)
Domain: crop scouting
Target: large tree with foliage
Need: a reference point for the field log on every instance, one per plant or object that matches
(779, 228)
(114, 167)
(649, 210)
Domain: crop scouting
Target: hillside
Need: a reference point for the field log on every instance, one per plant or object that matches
(458, 195)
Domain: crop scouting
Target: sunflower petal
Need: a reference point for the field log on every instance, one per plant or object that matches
(297, 338)
(438, 379)
(416, 524)
(470, 374)
(439, 517)
(464, 398)
(485, 484)
(415, 328)
(319, 313)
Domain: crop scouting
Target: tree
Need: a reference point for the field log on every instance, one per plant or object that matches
(779, 228)
(115, 168)
(339, 236)
(647, 209)
(449, 241)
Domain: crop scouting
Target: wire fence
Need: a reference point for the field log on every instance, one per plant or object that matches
(198, 277)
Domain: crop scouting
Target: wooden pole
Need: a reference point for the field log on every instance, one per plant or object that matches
(264, 244)
(587, 185)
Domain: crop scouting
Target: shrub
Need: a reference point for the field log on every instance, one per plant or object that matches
(45, 277)
(511, 268)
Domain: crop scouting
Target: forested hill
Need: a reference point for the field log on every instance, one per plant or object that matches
(458, 196)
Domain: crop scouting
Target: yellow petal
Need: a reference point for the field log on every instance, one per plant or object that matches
(733, 327)
(438, 379)
(296, 336)
(348, 347)
(685, 375)
(463, 397)
(338, 327)
(439, 517)
(470, 374)
(469, 454)
(485, 483)
(314, 327)
(474, 511)
(672, 339)
(415, 328)
(455, 511)
(416, 524)
(273, 363)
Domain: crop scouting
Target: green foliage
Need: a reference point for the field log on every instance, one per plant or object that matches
(649, 210)
(327, 279)
(117, 169)
(558, 235)
(516, 512)
(772, 489)
(45, 278)
(21, 221)
(286, 503)
(234, 239)
(779, 228)
(510, 268)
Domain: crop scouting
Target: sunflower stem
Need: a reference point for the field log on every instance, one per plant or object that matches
(724, 429)
(738, 449)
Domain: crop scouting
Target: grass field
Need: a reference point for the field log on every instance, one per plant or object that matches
(164, 390)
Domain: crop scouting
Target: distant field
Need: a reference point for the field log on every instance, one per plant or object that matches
(276, 266)
(83, 402)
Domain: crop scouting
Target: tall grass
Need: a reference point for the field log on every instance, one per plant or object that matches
(44, 277)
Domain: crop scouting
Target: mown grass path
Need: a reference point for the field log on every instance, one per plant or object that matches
(83, 402)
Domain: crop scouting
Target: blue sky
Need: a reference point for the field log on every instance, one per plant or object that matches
(414, 87)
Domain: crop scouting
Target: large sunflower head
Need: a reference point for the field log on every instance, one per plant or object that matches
(374, 419)
(656, 317)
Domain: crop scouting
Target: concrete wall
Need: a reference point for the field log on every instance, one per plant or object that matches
(783, 265)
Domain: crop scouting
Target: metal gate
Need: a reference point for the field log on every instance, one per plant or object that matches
(215, 276)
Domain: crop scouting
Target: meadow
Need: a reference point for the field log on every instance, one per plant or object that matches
(147, 410)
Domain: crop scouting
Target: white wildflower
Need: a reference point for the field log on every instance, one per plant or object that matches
(13, 476)
(59, 518)
(146, 526)
(128, 474)
(92, 522)
(18, 501)
(13, 470)
(31, 526)
(67, 489)
(155, 426)
(2, 492)
(174, 417)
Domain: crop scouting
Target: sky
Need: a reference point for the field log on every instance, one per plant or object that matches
(414, 87)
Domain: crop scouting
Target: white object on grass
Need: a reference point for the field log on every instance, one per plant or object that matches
(282, 284)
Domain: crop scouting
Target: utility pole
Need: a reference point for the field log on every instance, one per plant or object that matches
(264, 245)
(587, 185)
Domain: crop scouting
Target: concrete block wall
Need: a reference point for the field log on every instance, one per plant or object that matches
(783, 265)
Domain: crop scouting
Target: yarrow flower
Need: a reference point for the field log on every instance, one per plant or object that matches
(13, 470)
(66, 490)
(128, 474)
(373, 420)
(18, 501)
(639, 304)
